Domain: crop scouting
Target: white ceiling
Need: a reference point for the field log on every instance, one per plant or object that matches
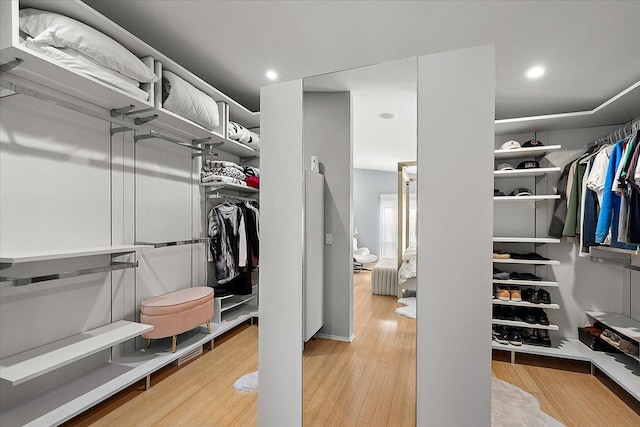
(590, 48)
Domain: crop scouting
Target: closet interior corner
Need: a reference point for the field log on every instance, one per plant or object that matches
(150, 186)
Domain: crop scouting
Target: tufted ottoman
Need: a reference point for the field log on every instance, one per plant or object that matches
(177, 312)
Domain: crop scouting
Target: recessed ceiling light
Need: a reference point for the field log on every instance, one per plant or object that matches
(272, 75)
(389, 116)
(534, 72)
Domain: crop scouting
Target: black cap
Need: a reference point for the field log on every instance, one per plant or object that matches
(532, 143)
(528, 164)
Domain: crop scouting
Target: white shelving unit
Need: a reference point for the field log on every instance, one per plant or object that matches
(217, 186)
(525, 240)
(532, 283)
(526, 261)
(22, 257)
(520, 324)
(225, 305)
(620, 323)
(38, 361)
(536, 198)
(524, 304)
(562, 347)
(518, 153)
(522, 173)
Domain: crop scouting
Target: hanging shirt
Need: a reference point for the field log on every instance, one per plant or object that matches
(228, 241)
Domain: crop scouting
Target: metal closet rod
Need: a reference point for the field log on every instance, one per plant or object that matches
(618, 134)
(174, 243)
(217, 195)
(66, 104)
(22, 281)
(157, 135)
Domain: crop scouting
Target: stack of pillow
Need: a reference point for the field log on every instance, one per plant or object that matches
(230, 173)
(239, 133)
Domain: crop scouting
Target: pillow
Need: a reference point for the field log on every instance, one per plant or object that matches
(56, 30)
(190, 102)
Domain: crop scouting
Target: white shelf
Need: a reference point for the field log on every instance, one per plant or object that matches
(38, 361)
(515, 153)
(526, 261)
(560, 347)
(518, 173)
(616, 250)
(523, 324)
(212, 186)
(622, 369)
(16, 258)
(525, 240)
(620, 323)
(526, 198)
(524, 304)
(532, 283)
(70, 399)
(235, 301)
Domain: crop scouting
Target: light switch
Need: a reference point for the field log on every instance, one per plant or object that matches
(328, 238)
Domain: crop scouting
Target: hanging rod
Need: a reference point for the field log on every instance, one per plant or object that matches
(617, 134)
(66, 104)
(156, 135)
(175, 243)
(22, 281)
(625, 264)
(217, 195)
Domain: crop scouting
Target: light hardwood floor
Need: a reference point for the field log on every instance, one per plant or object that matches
(370, 382)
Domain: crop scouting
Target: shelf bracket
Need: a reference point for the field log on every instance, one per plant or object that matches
(204, 153)
(214, 145)
(23, 281)
(144, 110)
(11, 65)
(201, 141)
(625, 264)
(248, 159)
(143, 120)
(122, 110)
(120, 129)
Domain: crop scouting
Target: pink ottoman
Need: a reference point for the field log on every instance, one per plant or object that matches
(177, 312)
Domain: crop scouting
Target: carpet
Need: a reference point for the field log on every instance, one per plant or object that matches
(513, 407)
(247, 383)
(409, 309)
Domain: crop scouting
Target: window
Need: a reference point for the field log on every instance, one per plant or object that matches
(389, 224)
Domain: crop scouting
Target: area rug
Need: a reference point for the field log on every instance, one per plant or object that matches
(247, 383)
(513, 407)
(409, 309)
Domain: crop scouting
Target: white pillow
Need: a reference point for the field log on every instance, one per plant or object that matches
(52, 29)
(190, 102)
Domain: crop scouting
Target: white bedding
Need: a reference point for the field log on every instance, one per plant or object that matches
(408, 268)
(189, 102)
(78, 62)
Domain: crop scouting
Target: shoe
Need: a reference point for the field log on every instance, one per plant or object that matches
(541, 317)
(528, 315)
(514, 293)
(530, 295)
(514, 337)
(501, 335)
(500, 275)
(525, 276)
(502, 293)
(499, 255)
(530, 338)
(544, 339)
(543, 296)
(497, 312)
(508, 313)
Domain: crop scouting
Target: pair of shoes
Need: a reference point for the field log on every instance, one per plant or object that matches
(629, 347)
(502, 312)
(532, 316)
(536, 337)
(500, 275)
(508, 294)
(505, 335)
(534, 296)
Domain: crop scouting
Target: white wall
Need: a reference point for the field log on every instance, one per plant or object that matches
(455, 207)
(367, 187)
(327, 134)
(281, 245)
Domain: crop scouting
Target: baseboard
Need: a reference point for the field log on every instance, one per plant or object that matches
(335, 337)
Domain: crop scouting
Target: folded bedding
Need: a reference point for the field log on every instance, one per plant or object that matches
(252, 171)
(237, 132)
(80, 63)
(223, 180)
(52, 29)
(182, 98)
(408, 268)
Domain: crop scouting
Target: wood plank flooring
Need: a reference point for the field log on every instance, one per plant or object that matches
(370, 382)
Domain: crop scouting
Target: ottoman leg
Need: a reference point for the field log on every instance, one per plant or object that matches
(174, 343)
(148, 342)
(208, 327)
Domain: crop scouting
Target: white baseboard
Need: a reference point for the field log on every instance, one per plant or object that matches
(336, 337)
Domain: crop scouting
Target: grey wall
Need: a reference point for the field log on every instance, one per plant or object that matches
(327, 134)
(367, 187)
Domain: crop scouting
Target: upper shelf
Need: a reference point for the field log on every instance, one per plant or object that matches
(212, 186)
(16, 258)
(618, 322)
(518, 173)
(525, 240)
(525, 198)
(40, 360)
(516, 153)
